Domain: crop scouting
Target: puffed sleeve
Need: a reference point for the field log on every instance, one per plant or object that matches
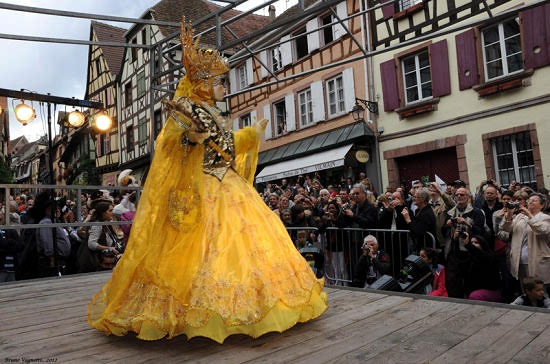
(247, 144)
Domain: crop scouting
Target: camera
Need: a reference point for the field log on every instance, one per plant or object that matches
(512, 205)
(490, 183)
(454, 220)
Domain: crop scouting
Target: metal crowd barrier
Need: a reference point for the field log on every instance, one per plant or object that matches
(341, 248)
(74, 190)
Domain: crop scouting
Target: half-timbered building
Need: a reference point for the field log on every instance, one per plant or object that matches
(469, 98)
(138, 128)
(310, 129)
(104, 66)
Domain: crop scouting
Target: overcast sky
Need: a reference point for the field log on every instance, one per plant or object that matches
(60, 69)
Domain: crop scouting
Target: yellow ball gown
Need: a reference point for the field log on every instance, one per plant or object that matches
(206, 257)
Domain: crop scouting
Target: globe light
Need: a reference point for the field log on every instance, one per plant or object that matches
(24, 113)
(103, 122)
(76, 119)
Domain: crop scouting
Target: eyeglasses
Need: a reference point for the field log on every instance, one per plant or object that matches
(461, 194)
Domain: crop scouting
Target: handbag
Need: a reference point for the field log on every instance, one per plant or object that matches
(500, 247)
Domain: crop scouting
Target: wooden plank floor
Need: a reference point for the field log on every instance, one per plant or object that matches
(46, 319)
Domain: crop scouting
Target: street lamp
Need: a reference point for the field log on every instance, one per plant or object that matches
(103, 121)
(76, 119)
(24, 113)
(359, 112)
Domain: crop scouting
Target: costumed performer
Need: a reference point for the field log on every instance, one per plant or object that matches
(206, 256)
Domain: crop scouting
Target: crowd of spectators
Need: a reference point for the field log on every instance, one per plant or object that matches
(490, 244)
(47, 251)
(480, 244)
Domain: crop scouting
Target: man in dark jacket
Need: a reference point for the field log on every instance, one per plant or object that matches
(363, 214)
(423, 221)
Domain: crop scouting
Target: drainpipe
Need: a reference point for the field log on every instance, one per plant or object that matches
(370, 92)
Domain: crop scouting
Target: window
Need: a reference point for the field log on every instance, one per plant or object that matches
(335, 96)
(301, 45)
(305, 107)
(279, 111)
(502, 49)
(98, 66)
(244, 121)
(142, 132)
(134, 50)
(105, 143)
(513, 158)
(157, 122)
(141, 84)
(416, 77)
(130, 138)
(405, 4)
(241, 72)
(328, 32)
(128, 94)
(276, 59)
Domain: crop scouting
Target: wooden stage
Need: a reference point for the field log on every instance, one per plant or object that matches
(46, 319)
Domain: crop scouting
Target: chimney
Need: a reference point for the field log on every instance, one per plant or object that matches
(271, 12)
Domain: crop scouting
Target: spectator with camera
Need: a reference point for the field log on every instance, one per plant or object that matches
(490, 205)
(373, 263)
(530, 239)
(440, 203)
(423, 221)
(462, 220)
(334, 242)
(510, 285)
(103, 248)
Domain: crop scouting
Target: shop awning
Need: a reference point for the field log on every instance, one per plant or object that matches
(327, 159)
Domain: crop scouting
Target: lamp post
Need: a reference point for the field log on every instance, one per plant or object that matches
(25, 113)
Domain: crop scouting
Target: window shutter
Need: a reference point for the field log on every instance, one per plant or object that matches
(389, 85)
(312, 38)
(349, 89)
(318, 101)
(388, 10)
(236, 124)
(536, 36)
(286, 50)
(98, 145)
(232, 80)
(342, 11)
(267, 115)
(253, 117)
(466, 59)
(263, 58)
(439, 61)
(290, 113)
(249, 71)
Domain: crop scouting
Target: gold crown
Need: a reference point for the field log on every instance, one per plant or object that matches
(199, 63)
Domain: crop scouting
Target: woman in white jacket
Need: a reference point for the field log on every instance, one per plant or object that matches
(530, 247)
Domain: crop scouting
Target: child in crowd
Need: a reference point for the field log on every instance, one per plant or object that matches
(437, 288)
(534, 294)
(301, 239)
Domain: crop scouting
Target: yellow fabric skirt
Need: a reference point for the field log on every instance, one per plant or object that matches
(205, 258)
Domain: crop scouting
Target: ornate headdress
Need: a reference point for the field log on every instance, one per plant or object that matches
(201, 65)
